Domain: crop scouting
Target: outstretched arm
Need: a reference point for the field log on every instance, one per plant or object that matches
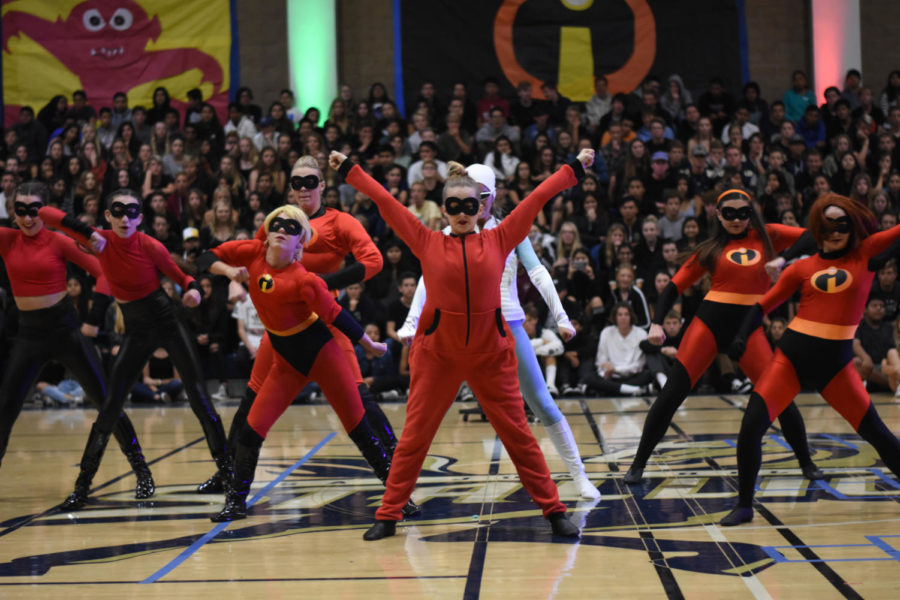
(879, 242)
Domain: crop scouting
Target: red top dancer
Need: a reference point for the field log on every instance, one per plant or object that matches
(736, 257)
(816, 351)
(462, 334)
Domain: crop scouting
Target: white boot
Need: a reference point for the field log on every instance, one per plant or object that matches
(561, 435)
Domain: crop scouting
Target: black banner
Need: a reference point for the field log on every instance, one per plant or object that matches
(568, 42)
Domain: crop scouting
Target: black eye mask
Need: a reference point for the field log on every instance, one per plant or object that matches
(120, 209)
(468, 206)
(839, 225)
(310, 182)
(735, 214)
(289, 226)
(27, 210)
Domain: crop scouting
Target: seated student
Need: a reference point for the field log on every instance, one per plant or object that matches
(873, 342)
(380, 372)
(398, 309)
(359, 304)
(250, 329)
(776, 329)
(160, 382)
(621, 364)
(547, 346)
(887, 288)
(577, 360)
(661, 358)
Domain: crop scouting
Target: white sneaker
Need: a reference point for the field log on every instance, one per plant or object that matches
(586, 489)
(553, 391)
(221, 393)
(390, 395)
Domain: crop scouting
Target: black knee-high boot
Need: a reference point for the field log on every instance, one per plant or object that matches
(216, 483)
(749, 454)
(90, 462)
(659, 417)
(378, 420)
(246, 455)
(131, 448)
(794, 430)
(873, 430)
(374, 453)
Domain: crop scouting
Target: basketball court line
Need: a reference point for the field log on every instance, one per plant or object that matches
(479, 548)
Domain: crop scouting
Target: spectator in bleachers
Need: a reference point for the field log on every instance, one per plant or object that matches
(660, 359)
(621, 367)
(874, 338)
(625, 291)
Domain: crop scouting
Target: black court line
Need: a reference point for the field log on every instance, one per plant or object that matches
(665, 574)
(55, 509)
(479, 550)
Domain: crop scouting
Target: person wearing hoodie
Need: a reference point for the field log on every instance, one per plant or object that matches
(675, 98)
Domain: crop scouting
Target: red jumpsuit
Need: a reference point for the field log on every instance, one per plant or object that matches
(335, 234)
(290, 302)
(462, 337)
(834, 288)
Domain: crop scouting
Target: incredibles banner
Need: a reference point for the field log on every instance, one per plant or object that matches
(103, 46)
(569, 42)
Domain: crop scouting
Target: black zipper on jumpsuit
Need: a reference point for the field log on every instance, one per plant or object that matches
(462, 240)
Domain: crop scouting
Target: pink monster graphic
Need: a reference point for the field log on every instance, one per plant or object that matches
(104, 43)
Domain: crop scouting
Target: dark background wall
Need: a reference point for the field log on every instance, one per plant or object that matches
(778, 34)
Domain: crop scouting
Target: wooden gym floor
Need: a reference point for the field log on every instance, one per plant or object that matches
(479, 534)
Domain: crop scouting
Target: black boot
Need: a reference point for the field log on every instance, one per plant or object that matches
(381, 529)
(634, 475)
(740, 514)
(562, 526)
(216, 483)
(378, 420)
(246, 455)
(127, 438)
(372, 450)
(90, 462)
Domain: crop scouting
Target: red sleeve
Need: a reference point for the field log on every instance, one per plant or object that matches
(7, 235)
(361, 246)
(395, 214)
(238, 253)
(261, 233)
(783, 236)
(316, 295)
(790, 279)
(689, 273)
(53, 218)
(86, 261)
(513, 229)
(163, 261)
(879, 242)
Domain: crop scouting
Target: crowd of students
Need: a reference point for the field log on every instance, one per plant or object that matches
(612, 243)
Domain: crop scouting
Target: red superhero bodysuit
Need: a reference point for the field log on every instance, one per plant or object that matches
(291, 301)
(462, 337)
(335, 234)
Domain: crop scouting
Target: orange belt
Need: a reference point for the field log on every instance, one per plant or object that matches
(829, 331)
(732, 298)
(296, 328)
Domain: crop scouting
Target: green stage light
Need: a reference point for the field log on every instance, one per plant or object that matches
(312, 53)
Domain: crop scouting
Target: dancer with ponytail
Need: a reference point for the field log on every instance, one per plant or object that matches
(294, 305)
(735, 257)
(466, 338)
(531, 381)
(816, 350)
(335, 234)
(48, 326)
(132, 262)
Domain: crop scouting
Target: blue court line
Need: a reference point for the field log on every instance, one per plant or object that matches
(884, 546)
(221, 526)
(875, 541)
(781, 442)
(880, 475)
(835, 438)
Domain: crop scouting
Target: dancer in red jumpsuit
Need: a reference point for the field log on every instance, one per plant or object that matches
(816, 351)
(462, 335)
(48, 326)
(132, 262)
(334, 235)
(736, 258)
(294, 306)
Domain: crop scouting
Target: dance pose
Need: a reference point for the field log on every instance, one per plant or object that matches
(132, 262)
(294, 306)
(816, 351)
(531, 380)
(334, 235)
(735, 257)
(48, 326)
(464, 336)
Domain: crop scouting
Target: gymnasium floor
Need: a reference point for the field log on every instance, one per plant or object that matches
(479, 534)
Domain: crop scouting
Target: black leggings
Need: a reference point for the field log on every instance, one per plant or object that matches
(150, 323)
(53, 334)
